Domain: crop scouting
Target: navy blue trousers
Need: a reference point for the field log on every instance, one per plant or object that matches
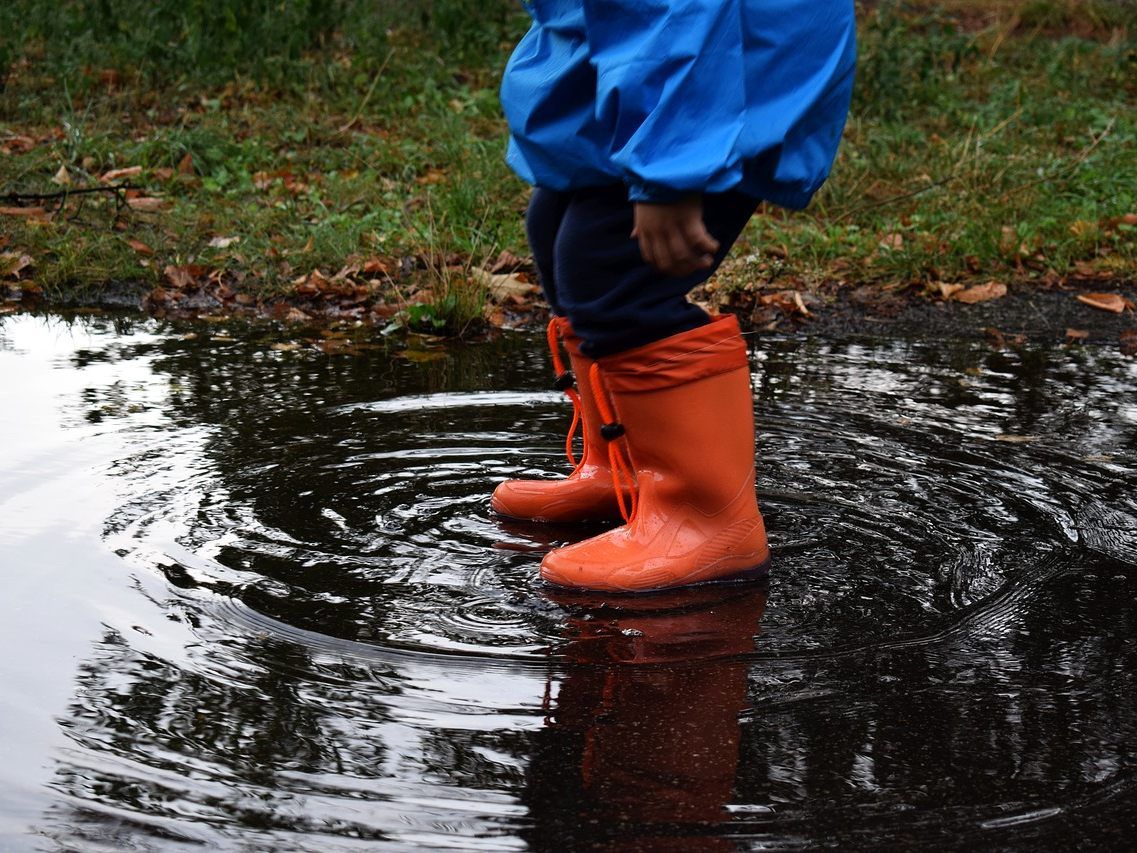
(592, 272)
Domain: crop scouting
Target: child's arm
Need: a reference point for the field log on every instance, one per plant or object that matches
(672, 236)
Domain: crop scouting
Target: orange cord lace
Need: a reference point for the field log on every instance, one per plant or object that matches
(617, 459)
(553, 336)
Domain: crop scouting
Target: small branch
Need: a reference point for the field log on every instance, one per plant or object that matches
(17, 198)
(370, 92)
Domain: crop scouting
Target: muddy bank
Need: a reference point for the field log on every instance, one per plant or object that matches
(1028, 312)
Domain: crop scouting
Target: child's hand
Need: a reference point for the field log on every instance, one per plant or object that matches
(673, 238)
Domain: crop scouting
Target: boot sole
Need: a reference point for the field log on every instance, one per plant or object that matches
(757, 573)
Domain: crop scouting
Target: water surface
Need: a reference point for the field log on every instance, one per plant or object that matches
(254, 598)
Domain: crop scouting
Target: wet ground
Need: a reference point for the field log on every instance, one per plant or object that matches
(253, 599)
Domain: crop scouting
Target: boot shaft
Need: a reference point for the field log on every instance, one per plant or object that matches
(687, 411)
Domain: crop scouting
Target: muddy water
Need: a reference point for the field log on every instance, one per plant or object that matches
(253, 599)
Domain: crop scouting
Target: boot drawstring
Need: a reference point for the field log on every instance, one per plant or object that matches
(611, 429)
(565, 382)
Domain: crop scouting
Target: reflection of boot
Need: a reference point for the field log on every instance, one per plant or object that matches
(587, 493)
(641, 747)
(685, 407)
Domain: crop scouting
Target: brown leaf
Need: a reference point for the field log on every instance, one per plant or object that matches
(115, 174)
(62, 178)
(1114, 302)
(943, 289)
(431, 176)
(501, 287)
(17, 144)
(1016, 439)
(185, 165)
(30, 212)
(893, 241)
(507, 262)
(140, 247)
(12, 263)
(995, 337)
(376, 265)
(1129, 342)
(1076, 335)
(1130, 219)
(981, 293)
(789, 302)
(148, 204)
(181, 278)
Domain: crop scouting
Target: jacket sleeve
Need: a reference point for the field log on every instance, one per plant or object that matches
(671, 92)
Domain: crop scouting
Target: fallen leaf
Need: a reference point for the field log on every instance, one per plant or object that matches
(981, 293)
(376, 265)
(1130, 219)
(180, 277)
(23, 211)
(148, 204)
(507, 262)
(12, 263)
(295, 315)
(140, 247)
(62, 178)
(943, 289)
(1087, 269)
(1113, 302)
(789, 302)
(1129, 342)
(17, 144)
(503, 286)
(115, 174)
(1076, 335)
(1016, 439)
(223, 242)
(893, 241)
(431, 176)
(185, 165)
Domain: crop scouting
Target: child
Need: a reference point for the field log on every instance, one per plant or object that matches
(651, 130)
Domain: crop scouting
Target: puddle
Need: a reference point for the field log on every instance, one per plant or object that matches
(255, 599)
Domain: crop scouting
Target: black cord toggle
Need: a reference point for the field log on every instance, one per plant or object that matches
(565, 381)
(612, 431)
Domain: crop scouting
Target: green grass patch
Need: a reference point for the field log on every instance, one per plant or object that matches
(271, 146)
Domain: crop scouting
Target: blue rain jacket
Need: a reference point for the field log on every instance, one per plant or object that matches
(676, 96)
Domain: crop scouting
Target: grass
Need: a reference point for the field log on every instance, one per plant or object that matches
(986, 142)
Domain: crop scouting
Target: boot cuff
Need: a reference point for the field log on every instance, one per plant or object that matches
(708, 350)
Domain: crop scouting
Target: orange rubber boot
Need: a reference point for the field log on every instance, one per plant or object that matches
(587, 493)
(685, 408)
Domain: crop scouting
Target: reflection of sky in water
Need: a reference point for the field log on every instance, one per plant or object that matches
(255, 597)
